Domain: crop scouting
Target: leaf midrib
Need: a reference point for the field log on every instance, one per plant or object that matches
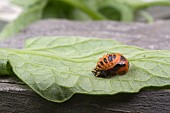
(37, 53)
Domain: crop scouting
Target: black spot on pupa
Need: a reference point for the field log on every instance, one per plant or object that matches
(98, 66)
(105, 60)
(104, 74)
(110, 58)
(114, 56)
(116, 67)
(122, 58)
(101, 63)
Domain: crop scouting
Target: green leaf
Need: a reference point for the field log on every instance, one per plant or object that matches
(30, 15)
(87, 6)
(60, 9)
(58, 67)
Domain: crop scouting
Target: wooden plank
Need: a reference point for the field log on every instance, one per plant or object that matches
(18, 98)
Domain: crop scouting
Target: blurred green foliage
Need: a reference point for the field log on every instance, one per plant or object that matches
(119, 10)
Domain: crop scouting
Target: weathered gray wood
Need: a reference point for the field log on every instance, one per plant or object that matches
(16, 97)
(2, 24)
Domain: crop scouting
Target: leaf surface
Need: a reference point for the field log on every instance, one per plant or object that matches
(58, 67)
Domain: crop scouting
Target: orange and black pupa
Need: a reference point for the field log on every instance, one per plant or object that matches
(110, 65)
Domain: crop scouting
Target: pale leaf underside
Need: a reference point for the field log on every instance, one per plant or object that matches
(58, 67)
